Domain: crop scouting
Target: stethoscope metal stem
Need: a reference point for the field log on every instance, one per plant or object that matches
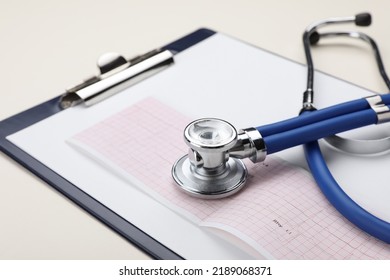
(307, 38)
(312, 37)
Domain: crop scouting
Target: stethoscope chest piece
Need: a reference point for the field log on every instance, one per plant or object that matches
(210, 186)
(208, 171)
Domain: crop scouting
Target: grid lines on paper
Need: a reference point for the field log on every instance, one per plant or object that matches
(291, 218)
(281, 208)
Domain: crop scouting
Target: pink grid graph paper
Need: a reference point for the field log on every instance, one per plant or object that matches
(281, 210)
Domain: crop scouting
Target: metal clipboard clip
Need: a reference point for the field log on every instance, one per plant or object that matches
(116, 74)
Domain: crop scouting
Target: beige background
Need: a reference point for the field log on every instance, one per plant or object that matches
(46, 46)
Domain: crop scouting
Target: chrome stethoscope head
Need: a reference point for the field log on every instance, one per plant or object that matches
(213, 167)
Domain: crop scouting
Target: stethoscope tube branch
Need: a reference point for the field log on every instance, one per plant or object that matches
(319, 124)
(301, 135)
(316, 116)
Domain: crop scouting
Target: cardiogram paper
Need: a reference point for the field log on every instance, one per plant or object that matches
(280, 213)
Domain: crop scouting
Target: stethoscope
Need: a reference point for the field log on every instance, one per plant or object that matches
(213, 167)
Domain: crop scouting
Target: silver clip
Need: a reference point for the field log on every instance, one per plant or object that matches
(116, 74)
(381, 109)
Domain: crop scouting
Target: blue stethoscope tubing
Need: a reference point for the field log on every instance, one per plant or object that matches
(313, 124)
(339, 199)
(317, 124)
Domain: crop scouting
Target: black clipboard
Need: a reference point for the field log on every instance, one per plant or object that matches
(42, 111)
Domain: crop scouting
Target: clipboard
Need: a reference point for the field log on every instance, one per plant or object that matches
(239, 74)
(89, 204)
